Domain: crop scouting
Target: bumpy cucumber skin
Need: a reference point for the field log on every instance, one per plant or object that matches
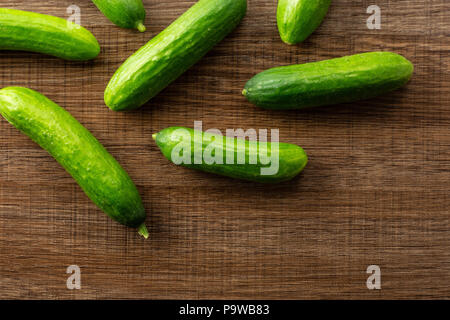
(172, 52)
(329, 82)
(129, 14)
(29, 31)
(298, 19)
(292, 158)
(77, 150)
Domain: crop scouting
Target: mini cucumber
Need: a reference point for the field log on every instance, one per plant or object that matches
(129, 14)
(172, 52)
(298, 19)
(77, 150)
(34, 32)
(328, 82)
(231, 157)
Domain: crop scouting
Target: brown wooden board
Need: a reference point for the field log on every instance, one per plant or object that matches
(376, 190)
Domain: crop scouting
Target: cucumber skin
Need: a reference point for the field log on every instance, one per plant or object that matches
(123, 13)
(298, 19)
(329, 82)
(35, 32)
(292, 158)
(77, 150)
(172, 52)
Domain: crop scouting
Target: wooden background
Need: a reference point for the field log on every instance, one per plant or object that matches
(376, 190)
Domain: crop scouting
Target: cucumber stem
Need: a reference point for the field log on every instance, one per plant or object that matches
(140, 26)
(143, 231)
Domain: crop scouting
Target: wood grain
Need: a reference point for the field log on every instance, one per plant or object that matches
(376, 190)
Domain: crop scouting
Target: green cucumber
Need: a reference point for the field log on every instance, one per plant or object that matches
(298, 19)
(129, 14)
(77, 150)
(328, 82)
(232, 157)
(172, 52)
(34, 32)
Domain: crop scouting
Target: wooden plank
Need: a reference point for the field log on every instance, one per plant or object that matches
(375, 192)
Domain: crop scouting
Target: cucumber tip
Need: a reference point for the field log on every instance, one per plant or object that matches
(141, 27)
(143, 231)
(244, 92)
(154, 136)
(287, 41)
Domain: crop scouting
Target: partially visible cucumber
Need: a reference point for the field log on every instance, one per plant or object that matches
(29, 31)
(231, 157)
(328, 82)
(298, 19)
(77, 150)
(129, 14)
(168, 55)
